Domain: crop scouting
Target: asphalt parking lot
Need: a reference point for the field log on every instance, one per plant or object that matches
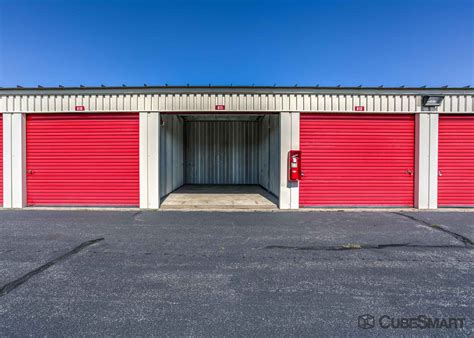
(233, 273)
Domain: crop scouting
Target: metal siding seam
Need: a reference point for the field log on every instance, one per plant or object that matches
(455, 104)
(397, 102)
(17, 102)
(461, 104)
(448, 100)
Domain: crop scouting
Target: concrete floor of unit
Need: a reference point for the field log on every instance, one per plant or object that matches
(220, 197)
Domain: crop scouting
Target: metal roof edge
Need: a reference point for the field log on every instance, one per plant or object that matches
(234, 90)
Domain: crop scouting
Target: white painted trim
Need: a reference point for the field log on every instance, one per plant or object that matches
(149, 160)
(143, 154)
(295, 145)
(7, 161)
(14, 161)
(19, 160)
(289, 140)
(285, 146)
(154, 160)
(426, 160)
(434, 144)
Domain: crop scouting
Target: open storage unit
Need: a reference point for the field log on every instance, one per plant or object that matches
(209, 150)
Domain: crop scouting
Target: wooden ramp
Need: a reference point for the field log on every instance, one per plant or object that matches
(194, 197)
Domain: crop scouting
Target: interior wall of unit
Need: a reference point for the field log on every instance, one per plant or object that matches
(221, 152)
(269, 154)
(226, 150)
(171, 153)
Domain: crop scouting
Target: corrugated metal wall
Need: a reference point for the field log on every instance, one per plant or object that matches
(222, 152)
(194, 102)
(269, 153)
(171, 154)
(457, 103)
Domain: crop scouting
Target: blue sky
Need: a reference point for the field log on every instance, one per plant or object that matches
(243, 42)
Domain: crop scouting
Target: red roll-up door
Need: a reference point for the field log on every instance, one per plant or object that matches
(82, 159)
(1, 159)
(456, 160)
(357, 160)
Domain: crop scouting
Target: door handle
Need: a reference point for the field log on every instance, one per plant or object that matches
(440, 173)
(409, 172)
(29, 172)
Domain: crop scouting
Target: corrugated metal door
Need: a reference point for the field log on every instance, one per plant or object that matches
(357, 160)
(1, 159)
(456, 160)
(82, 159)
(221, 152)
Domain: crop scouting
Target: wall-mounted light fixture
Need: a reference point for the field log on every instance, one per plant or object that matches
(432, 101)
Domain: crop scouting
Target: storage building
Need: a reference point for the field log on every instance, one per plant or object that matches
(137, 146)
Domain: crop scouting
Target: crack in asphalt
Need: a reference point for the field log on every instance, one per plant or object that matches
(361, 247)
(466, 241)
(7, 288)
